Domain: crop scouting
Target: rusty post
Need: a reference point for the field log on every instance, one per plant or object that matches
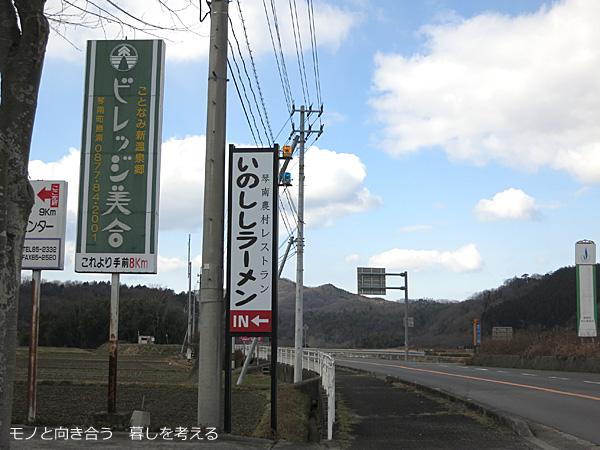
(114, 337)
(36, 279)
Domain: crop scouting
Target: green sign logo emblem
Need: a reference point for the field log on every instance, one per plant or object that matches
(123, 57)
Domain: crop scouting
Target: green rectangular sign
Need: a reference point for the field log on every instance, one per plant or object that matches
(117, 224)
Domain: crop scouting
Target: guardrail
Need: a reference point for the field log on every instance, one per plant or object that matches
(315, 360)
(362, 353)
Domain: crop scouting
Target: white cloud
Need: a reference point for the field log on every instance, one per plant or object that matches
(411, 228)
(465, 259)
(170, 264)
(354, 258)
(182, 183)
(520, 91)
(334, 186)
(67, 169)
(187, 38)
(509, 204)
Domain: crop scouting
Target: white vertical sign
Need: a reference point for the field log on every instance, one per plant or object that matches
(252, 239)
(585, 259)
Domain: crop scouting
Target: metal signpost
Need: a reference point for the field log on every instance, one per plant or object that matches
(371, 281)
(44, 248)
(587, 315)
(252, 239)
(117, 223)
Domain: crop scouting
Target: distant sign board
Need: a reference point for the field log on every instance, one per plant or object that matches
(117, 224)
(476, 332)
(44, 246)
(371, 281)
(502, 333)
(252, 240)
(587, 314)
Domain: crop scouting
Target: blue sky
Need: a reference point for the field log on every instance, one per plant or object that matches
(461, 139)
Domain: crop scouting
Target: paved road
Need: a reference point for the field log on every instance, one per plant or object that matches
(565, 401)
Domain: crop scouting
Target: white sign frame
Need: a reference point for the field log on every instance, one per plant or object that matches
(44, 246)
(252, 237)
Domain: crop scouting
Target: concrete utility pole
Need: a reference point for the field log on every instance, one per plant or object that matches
(299, 327)
(300, 259)
(210, 360)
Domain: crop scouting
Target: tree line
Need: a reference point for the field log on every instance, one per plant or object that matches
(74, 314)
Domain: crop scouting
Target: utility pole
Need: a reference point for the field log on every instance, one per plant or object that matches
(300, 259)
(190, 318)
(210, 357)
(299, 325)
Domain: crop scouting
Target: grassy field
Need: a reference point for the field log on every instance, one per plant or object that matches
(73, 386)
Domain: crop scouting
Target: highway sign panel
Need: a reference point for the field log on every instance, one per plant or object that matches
(44, 246)
(371, 281)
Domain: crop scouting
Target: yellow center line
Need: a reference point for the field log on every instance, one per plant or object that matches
(554, 391)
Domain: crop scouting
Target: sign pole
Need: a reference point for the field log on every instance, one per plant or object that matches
(36, 278)
(252, 276)
(117, 221)
(405, 275)
(114, 337)
(44, 248)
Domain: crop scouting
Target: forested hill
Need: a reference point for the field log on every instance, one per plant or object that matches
(76, 314)
(339, 318)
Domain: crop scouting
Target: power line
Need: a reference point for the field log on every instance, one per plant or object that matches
(242, 100)
(299, 50)
(283, 76)
(313, 41)
(266, 127)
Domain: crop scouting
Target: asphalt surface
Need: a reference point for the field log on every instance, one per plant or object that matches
(384, 416)
(396, 417)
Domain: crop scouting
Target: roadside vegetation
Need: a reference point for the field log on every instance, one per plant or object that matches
(560, 342)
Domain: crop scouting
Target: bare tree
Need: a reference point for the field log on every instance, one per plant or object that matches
(24, 30)
(23, 37)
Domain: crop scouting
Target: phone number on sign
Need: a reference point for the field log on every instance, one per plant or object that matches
(39, 249)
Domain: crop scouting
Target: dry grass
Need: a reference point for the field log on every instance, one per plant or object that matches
(293, 409)
(557, 342)
(72, 387)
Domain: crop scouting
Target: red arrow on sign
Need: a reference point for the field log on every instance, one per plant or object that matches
(44, 194)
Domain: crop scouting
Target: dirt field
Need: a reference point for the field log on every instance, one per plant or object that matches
(72, 387)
